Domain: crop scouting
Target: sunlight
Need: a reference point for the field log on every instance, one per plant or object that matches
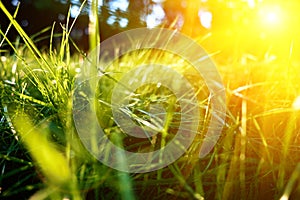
(74, 11)
(271, 16)
(156, 17)
(296, 104)
(251, 3)
(119, 4)
(205, 18)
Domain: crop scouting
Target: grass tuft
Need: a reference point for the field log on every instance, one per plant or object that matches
(42, 156)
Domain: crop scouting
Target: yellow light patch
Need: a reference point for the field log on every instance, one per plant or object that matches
(296, 104)
(52, 163)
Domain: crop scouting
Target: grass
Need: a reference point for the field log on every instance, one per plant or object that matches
(42, 156)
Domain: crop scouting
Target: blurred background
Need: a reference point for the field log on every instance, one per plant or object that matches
(234, 28)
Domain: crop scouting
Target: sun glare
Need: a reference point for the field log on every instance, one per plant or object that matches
(271, 16)
(296, 104)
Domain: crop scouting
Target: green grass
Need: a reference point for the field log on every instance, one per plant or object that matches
(256, 157)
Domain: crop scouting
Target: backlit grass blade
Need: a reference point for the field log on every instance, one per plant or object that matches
(8, 28)
(28, 41)
(94, 32)
(51, 162)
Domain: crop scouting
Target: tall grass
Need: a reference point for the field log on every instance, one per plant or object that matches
(257, 156)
